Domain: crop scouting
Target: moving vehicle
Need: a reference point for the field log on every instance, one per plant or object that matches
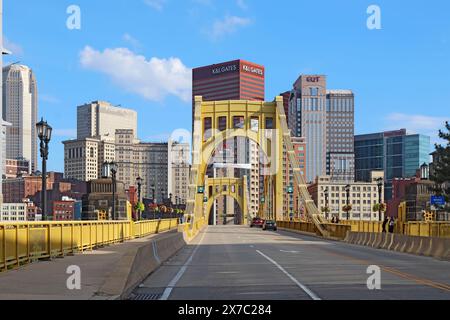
(270, 225)
(257, 222)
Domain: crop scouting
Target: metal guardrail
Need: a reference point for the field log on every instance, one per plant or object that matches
(26, 242)
(335, 231)
(416, 228)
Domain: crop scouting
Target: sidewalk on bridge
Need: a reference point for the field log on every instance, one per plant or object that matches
(47, 280)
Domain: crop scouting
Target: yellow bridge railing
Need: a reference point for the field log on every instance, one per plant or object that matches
(416, 228)
(26, 242)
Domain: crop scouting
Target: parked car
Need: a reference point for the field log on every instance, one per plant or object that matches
(270, 225)
(257, 222)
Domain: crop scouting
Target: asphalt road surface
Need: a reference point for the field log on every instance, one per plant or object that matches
(240, 263)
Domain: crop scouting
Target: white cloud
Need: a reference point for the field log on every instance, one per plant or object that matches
(228, 25)
(156, 4)
(15, 48)
(242, 4)
(131, 40)
(48, 98)
(417, 123)
(152, 79)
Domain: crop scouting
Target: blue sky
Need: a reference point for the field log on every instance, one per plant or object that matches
(139, 53)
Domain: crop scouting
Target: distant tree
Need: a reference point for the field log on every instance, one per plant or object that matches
(441, 168)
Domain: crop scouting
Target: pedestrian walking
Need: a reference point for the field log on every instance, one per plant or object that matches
(391, 225)
(385, 222)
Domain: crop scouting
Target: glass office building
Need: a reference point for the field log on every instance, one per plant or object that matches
(399, 155)
(417, 152)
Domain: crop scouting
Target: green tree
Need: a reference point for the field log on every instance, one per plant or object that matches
(441, 167)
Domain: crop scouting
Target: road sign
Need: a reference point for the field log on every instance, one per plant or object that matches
(437, 200)
(201, 189)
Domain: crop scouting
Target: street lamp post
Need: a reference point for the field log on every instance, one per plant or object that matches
(113, 168)
(170, 204)
(380, 186)
(347, 190)
(139, 184)
(326, 202)
(44, 131)
(154, 201)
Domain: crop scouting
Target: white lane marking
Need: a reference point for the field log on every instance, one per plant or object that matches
(289, 251)
(228, 272)
(252, 293)
(311, 294)
(180, 273)
(252, 246)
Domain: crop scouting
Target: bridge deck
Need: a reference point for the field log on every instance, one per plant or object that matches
(242, 263)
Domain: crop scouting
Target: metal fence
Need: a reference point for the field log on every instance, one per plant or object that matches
(22, 243)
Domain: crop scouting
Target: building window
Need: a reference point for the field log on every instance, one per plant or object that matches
(207, 128)
(222, 123)
(238, 122)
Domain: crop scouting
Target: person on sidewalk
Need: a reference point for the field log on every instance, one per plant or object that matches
(391, 225)
(385, 222)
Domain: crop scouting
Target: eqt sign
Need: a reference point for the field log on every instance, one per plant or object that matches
(312, 79)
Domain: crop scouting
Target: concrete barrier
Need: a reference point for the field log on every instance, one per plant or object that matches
(440, 248)
(398, 242)
(353, 237)
(380, 239)
(406, 244)
(360, 238)
(376, 239)
(388, 241)
(370, 240)
(426, 245)
(140, 262)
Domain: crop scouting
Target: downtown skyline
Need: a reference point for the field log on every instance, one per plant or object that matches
(388, 71)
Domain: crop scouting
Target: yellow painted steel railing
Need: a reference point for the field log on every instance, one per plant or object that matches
(25, 242)
(419, 228)
(338, 231)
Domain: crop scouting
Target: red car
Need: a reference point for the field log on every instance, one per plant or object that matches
(257, 222)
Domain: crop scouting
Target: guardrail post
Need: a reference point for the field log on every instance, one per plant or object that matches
(49, 241)
(28, 244)
(72, 237)
(81, 237)
(4, 249)
(17, 246)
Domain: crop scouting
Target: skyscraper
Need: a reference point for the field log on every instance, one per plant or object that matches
(20, 108)
(340, 135)
(325, 118)
(308, 119)
(100, 118)
(397, 153)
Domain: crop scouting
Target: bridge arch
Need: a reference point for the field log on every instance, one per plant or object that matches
(232, 187)
(263, 122)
